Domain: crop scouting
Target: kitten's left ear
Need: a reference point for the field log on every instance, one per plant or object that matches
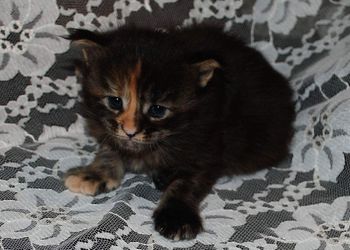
(206, 70)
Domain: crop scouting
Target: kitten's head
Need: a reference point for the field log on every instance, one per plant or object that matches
(141, 90)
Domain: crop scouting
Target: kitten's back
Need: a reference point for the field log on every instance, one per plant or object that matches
(257, 109)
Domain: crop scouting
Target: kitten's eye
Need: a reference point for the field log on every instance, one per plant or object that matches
(157, 111)
(115, 102)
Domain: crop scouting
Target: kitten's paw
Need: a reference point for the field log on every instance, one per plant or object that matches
(85, 181)
(178, 221)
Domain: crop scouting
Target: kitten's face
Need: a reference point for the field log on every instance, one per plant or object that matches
(141, 105)
(141, 94)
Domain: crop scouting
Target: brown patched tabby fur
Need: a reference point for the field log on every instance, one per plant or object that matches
(184, 106)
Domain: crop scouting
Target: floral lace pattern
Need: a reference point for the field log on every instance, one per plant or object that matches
(29, 37)
(302, 204)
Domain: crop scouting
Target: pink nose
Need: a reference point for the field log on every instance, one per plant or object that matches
(130, 132)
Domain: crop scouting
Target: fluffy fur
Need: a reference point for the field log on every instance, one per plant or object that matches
(186, 107)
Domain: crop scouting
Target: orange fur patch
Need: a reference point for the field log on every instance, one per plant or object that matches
(78, 184)
(128, 118)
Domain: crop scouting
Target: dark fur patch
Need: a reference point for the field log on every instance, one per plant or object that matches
(162, 178)
(177, 220)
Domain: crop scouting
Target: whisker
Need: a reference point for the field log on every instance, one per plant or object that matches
(104, 139)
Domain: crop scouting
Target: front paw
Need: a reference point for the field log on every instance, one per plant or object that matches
(177, 220)
(88, 182)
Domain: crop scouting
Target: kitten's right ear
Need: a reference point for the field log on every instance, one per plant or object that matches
(88, 41)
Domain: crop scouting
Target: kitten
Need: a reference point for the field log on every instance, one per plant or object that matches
(186, 107)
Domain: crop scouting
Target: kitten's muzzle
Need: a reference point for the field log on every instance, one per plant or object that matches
(130, 133)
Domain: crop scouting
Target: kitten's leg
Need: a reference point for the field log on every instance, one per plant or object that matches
(102, 175)
(177, 216)
(162, 178)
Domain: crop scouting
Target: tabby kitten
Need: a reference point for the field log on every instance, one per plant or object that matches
(186, 107)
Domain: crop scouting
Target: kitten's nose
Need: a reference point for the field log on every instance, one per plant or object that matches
(130, 132)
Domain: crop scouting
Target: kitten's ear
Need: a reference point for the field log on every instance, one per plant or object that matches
(206, 70)
(88, 41)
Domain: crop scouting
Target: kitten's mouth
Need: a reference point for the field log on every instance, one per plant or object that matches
(134, 144)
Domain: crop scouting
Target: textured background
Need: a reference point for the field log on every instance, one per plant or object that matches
(302, 204)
